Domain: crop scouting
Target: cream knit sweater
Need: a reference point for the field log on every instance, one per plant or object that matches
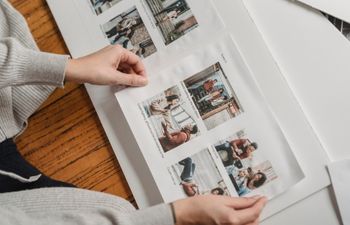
(27, 78)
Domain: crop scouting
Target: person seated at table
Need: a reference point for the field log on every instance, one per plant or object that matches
(219, 101)
(212, 96)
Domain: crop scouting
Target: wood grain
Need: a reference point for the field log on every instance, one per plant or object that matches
(65, 139)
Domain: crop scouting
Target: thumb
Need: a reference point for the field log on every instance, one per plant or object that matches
(134, 80)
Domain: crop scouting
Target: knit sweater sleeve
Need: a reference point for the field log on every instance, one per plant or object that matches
(21, 66)
(72, 206)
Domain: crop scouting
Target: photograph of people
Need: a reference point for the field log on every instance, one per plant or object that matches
(129, 31)
(163, 107)
(237, 153)
(247, 180)
(102, 5)
(233, 152)
(92, 191)
(173, 18)
(198, 175)
(213, 96)
(171, 118)
(171, 140)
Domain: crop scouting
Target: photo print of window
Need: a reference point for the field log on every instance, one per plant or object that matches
(342, 26)
(213, 96)
(173, 18)
(170, 118)
(100, 6)
(129, 31)
(199, 175)
(237, 153)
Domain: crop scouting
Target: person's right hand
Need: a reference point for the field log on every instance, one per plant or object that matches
(216, 210)
(112, 65)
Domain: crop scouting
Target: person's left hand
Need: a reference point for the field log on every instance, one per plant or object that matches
(218, 210)
(112, 65)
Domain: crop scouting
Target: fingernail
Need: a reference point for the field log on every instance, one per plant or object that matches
(143, 81)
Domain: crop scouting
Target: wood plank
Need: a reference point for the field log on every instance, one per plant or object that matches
(65, 139)
(59, 93)
(67, 142)
(46, 35)
(42, 25)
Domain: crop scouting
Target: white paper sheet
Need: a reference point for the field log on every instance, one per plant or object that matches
(337, 8)
(252, 121)
(199, 22)
(340, 176)
(76, 22)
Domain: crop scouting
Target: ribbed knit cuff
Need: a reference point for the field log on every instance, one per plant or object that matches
(156, 215)
(43, 68)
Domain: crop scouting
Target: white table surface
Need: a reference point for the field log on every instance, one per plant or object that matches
(316, 66)
(307, 64)
(319, 208)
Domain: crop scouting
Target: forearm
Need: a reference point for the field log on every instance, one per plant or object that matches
(72, 206)
(21, 66)
(157, 215)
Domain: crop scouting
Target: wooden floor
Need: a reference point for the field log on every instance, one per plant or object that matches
(65, 139)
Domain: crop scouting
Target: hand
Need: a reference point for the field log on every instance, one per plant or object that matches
(212, 209)
(112, 65)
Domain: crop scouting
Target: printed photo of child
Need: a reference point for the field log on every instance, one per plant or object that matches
(198, 175)
(100, 6)
(213, 96)
(173, 18)
(129, 31)
(171, 118)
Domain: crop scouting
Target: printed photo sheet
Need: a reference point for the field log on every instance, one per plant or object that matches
(203, 127)
(155, 30)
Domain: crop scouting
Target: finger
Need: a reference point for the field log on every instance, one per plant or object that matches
(133, 61)
(241, 203)
(126, 69)
(129, 79)
(251, 214)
